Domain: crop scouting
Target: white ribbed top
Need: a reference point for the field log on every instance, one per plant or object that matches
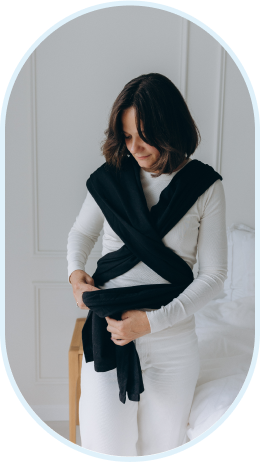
(203, 228)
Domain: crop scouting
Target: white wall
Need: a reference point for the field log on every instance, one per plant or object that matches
(57, 114)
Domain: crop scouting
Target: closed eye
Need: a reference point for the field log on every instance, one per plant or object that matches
(128, 137)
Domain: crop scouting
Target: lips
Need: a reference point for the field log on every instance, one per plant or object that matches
(143, 157)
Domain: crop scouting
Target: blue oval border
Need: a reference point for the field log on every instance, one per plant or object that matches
(2, 140)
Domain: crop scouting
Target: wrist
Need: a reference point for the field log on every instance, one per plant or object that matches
(146, 322)
(76, 275)
(148, 319)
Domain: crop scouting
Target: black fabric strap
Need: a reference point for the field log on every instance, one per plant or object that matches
(121, 198)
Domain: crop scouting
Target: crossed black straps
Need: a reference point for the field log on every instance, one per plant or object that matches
(121, 199)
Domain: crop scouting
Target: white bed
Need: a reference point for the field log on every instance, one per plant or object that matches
(225, 329)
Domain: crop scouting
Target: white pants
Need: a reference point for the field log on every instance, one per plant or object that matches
(158, 422)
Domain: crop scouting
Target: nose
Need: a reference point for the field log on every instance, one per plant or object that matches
(136, 146)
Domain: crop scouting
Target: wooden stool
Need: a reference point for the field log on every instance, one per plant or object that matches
(75, 362)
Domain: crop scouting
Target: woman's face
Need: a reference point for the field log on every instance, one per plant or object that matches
(144, 154)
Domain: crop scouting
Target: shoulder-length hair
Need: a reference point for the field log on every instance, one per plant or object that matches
(167, 123)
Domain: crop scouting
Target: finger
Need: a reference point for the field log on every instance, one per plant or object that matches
(121, 342)
(119, 337)
(113, 330)
(88, 288)
(80, 302)
(82, 306)
(89, 280)
(79, 294)
(113, 322)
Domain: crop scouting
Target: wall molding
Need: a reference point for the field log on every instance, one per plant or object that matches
(36, 250)
(51, 412)
(220, 109)
(34, 153)
(37, 286)
(95, 254)
(183, 78)
(184, 55)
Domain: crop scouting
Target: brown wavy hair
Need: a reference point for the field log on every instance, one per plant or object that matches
(167, 123)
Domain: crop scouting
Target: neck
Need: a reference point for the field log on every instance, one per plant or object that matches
(176, 170)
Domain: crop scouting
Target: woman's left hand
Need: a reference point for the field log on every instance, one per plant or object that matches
(134, 324)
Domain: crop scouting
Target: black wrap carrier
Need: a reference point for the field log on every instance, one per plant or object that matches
(120, 196)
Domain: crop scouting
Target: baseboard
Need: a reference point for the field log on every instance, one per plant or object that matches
(49, 413)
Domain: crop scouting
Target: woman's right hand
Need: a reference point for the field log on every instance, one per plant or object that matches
(81, 282)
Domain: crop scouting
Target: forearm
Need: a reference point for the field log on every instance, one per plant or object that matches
(78, 250)
(203, 289)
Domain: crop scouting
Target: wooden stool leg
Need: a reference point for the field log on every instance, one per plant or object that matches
(73, 376)
(78, 388)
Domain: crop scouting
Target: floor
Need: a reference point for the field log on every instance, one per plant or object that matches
(62, 428)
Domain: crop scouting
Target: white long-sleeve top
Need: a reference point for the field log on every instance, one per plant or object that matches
(202, 229)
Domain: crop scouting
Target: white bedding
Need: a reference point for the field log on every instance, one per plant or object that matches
(225, 329)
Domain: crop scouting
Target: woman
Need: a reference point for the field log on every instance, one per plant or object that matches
(151, 123)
